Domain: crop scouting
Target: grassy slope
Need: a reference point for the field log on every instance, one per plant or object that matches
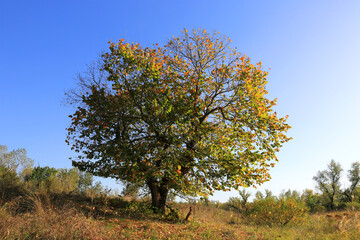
(70, 217)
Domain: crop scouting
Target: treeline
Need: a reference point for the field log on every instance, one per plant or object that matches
(18, 177)
(293, 206)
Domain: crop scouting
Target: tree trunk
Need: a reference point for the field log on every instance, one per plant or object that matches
(159, 192)
(332, 199)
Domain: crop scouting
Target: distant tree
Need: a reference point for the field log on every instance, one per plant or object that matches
(312, 200)
(87, 183)
(41, 173)
(16, 160)
(269, 194)
(354, 178)
(40, 177)
(190, 117)
(328, 182)
(293, 194)
(131, 190)
(244, 197)
(259, 195)
(65, 180)
(86, 180)
(234, 203)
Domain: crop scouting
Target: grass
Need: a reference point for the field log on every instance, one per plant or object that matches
(41, 216)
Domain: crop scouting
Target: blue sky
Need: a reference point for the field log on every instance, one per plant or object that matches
(312, 49)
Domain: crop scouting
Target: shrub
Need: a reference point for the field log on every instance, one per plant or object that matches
(270, 211)
(353, 206)
(64, 181)
(9, 184)
(312, 201)
(319, 209)
(233, 204)
(40, 177)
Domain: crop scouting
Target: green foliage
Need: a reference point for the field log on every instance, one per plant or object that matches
(194, 123)
(64, 181)
(269, 211)
(312, 201)
(259, 195)
(8, 176)
(290, 194)
(83, 182)
(352, 191)
(238, 204)
(353, 206)
(173, 214)
(131, 190)
(86, 180)
(233, 204)
(40, 174)
(40, 177)
(269, 194)
(9, 184)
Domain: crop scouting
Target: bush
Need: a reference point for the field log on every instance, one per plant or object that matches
(353, 206)
(319, 209)
(64, 181)
(40, 177)
(9, 185)
(270, 211)
(313, 201)
(233, 204)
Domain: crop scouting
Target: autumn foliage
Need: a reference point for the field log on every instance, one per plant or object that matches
(191, 117)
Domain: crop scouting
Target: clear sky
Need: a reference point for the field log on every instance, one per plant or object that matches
(312, 49)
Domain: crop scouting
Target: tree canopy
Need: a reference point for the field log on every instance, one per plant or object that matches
(191, 116)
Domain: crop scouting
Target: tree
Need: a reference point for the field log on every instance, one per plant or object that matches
(191, 116)
(269, 194)
(41, 177)
(259, 195)
(131, 190)
(244, 197)
(65, 180)
(290, 194)
(39, 174)
(328, 182)
(354, 178)
(86, 180)
(16, 160)
(312, 200)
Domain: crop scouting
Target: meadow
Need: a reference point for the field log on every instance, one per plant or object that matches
(71, 216)
(48, 203)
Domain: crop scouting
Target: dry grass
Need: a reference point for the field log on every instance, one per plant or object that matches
(39, 216)
(45, 221)
(35, 217)
(338, 225)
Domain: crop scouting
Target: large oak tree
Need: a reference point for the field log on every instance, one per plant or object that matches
(191, 117)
